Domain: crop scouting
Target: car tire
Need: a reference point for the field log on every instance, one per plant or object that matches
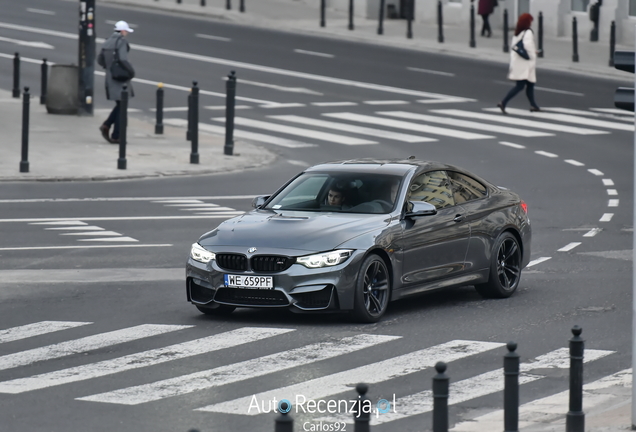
(220, 310)
(505, 268)
(372, 290)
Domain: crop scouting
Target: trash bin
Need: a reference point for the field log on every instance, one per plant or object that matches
(62, 90)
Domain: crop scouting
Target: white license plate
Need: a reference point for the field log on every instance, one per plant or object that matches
(253, 282)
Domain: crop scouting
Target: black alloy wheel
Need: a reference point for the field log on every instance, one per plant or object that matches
(505, 268)
(373, 290)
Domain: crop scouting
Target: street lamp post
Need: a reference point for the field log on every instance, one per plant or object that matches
(86, 56)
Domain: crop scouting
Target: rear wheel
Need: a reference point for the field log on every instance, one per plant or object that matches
(505, 268)
(372, 290)
(220, 310)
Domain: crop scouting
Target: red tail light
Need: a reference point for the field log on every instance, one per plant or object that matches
(524, 207)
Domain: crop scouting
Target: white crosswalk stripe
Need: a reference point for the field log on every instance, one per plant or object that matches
(144, 359)
(588, 113)
(37, 329)
(398, 124)
(567, 118)
(87, 343)
(195, 205)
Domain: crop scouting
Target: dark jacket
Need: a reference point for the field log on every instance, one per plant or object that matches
(114, 88)
(486, 7)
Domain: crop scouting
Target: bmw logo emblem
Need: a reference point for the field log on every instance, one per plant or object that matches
(251, 250)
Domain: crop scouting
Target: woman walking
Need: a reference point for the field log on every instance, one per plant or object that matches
(485, 8)
(522, 70)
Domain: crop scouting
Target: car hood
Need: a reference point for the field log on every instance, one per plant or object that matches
(303, 231)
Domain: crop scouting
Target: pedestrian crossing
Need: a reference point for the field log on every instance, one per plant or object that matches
(347, 127)
(291, 371)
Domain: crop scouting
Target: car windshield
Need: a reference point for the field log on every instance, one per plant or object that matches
(339, 192)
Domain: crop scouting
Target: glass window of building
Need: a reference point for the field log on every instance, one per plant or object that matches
(581, 5)
(632, 7)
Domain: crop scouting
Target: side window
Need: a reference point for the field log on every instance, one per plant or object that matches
(466, 188)
(432, 187)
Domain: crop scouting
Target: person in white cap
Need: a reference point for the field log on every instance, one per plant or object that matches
(115, 50)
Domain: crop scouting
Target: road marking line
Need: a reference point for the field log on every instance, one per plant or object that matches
(353, 129)
(282, 105)
(613, 111)
(399, 124)
(608, 182)
(550, 90)
(297, 163)
(75, 228)
(118, 199)
(33, 44)
(168, 202)
(430, 71)
(110, 239)
(606, 217)
(520, 122)
(152, 357)
(612, 192)
(314, 53)
(85, 344)
(280, 88)
(330, 104)
(171, 109)
(569, 247)
(465, 124)
(586, 113)
(237, 372)
(40, 11)
(291, 130)
(92, 233)
(592, 232)
(612, 203)
(211, 37)
(62, 222)
(513, 145)
(322, 387)
(596, 172)
(222, 107)
(386, 102)
(574, 162)
(39, 248)
(537, 261)
(37, 329)
(567, 118)
(122, 218)
(546, 154)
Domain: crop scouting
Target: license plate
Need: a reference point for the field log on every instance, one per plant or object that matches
(252, 282)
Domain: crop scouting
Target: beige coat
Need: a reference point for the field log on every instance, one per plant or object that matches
(520, 68)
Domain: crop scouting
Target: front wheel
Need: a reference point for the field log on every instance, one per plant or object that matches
(219, 310)
(372, 290)
(505, 268)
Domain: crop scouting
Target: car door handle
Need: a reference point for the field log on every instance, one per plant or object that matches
(459, 218)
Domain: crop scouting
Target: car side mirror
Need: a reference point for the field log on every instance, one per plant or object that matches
(259, 201)
(420, 208)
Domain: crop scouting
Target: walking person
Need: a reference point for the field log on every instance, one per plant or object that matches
(115, 50)
(485, 8)
(522, 69)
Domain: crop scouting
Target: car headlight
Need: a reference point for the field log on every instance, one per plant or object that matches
(326, 259)
(198, 253)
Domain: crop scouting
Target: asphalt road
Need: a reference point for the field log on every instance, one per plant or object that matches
(119, 287)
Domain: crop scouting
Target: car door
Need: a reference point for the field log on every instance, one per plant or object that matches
(434, 247)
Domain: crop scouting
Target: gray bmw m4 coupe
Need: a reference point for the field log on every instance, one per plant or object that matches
(357, 234)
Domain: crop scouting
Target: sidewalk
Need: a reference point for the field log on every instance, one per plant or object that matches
(69, 147)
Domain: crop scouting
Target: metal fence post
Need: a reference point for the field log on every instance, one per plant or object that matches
(506, 48)
(440, 398)
(16, 75)
(440, 22)
(194, 131)
(322, 12)
(540, 54)
(242, 6)
(575, 418)
(159, 117)
(350, 15)
(612, 43)
(24, 163)
(511, 389)
(284, 422)
(202, 2)
(228, 4)
(188, 134)
(575, 41)
(230, 87)
(473, 44)
(44, 81)
(362, 419)
(409, 19)
(381, 17)
(123, 125)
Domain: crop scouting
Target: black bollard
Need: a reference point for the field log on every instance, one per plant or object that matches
(123, 125)
(362, 416)
(159, 122)
(44, 80)
(242, 6)
(179, 1)
(575, 418)
(506, 48)
(284, 422)
(409, 20)
(575, 41)
(440, 398)
(322, 12)
(16, 75)
(202, 2)
(188, 134)
(473, 44)
(612, 43)
(350, 15)
(24, 163)
(440, 22)
(381, 17)
(228, 4)
(230, 86)
(595, 13)
(194, 130)
(511, 389)
(540, 36)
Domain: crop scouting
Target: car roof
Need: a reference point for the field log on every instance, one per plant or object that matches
(382, 166)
